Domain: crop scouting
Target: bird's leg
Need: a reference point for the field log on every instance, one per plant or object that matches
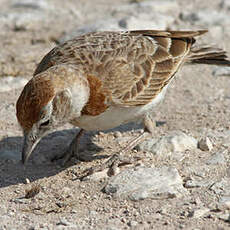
(118, 158)
(72, 149)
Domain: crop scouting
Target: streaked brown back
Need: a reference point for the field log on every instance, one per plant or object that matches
(133, 66)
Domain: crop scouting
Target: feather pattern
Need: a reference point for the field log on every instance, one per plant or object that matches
(133, 66)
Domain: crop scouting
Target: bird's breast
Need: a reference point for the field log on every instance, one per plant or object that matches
(117, 115)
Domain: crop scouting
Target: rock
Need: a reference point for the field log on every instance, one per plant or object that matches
(205, 144)
(10, 83)
(197, 213)
(141, 182)
(221, 71)
(215, 159)
(165, 146)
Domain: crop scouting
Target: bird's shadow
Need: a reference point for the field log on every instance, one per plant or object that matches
(40, 164)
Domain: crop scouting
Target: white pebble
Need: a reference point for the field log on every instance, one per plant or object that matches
(205, 144)
(27, 181)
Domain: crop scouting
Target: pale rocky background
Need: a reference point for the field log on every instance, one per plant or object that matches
(183, 178)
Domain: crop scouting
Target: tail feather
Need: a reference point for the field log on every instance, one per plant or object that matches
(198, 55)
(208, 55)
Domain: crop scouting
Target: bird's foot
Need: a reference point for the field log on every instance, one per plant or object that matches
(113, 164)
(117, 160)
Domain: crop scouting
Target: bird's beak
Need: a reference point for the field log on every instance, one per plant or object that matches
(28, 147)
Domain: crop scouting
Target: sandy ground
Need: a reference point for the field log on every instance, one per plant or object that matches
(197, 103)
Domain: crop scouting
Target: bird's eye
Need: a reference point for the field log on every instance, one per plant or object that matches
(45, 123)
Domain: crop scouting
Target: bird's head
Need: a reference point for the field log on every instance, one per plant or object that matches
(45, 104)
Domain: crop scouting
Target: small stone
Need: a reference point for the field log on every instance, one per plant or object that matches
(117, 134)
(74, 211)
(205, 144)
(27, 181)
(198, 212)
(132, 223)
(176, 141)
(141, 182)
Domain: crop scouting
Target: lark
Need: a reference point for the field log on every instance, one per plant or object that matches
(101, 80)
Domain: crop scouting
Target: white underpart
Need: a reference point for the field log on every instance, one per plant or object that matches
(115, 116)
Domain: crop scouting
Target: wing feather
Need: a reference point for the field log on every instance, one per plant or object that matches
(133, 66)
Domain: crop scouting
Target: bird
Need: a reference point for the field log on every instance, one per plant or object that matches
(101, 80)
